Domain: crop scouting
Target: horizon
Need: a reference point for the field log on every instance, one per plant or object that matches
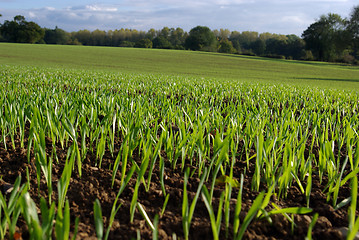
(237, 15)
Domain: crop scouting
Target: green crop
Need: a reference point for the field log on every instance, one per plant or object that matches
(215, 220)
(353, 222)
(182, 63)
(188, 210)
(222, 131)
(10, 210)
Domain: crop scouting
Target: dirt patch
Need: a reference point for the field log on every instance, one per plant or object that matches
(95, 183)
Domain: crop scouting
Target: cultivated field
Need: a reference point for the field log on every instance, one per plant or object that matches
(118, 143)
(183, 63)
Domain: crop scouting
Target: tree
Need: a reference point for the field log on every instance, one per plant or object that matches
(21, 31)
(327, 37)
(100, 38)
(266, 36)
(144, 43)
(234, 38)
(246, 39)
(127, 44)
(295, 47)
(178, 37)
(117, 37)
(354, 22)
(353, 29)
(56, 36)
(258, 47)
(165, 32)
(201, 39)
(151, 34)
(276, 45)
(224, 34)
(137, 35)
(226, 46)
(1, 38)
(83, 36)
(161, 42)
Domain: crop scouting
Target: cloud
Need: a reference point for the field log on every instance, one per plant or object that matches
(50, 8)
(275, 16)
(94, 8)
(101, 8)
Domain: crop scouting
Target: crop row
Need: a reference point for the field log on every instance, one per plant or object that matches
(290, 134)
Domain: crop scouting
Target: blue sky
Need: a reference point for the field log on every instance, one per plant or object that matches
(274, 16)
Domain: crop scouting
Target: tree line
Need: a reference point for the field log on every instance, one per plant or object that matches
(330, 38)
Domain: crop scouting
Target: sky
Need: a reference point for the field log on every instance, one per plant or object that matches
(274, 16)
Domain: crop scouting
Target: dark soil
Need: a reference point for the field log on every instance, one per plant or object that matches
(96, 183)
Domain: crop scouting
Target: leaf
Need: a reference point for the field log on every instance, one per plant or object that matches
(207, 201)
(294, 210)
(145, 216)
(250, 215)
(69, 128)
(343, 203)
(98, 219)
(311, 225)
(224, 179)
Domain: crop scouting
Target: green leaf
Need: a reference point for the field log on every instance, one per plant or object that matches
(224, 179)
(294, 210)
(69, 128)
(250, 215)
(207, 201)
(66, 222)
(311, 226)
(98, 219)
(238, 208)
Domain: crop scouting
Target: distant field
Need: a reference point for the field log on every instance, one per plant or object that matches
(183, 63)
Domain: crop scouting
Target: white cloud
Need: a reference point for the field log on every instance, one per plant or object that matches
(275, 16)
(295, 19)
(50, 8)
(99, 8)
(32, 15)
(230, 2)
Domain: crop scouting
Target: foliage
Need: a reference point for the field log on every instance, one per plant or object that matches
(144, 43)
(21, 31)
(201, 38)
(258, 46)
(126, 44)
(327, 38)
(56, 36)
(226, 46)
(354, 30)
(161, 42)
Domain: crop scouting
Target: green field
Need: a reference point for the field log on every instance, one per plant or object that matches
(183, 63)
(109, 142)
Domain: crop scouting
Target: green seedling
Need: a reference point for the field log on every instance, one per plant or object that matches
(188, 210)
